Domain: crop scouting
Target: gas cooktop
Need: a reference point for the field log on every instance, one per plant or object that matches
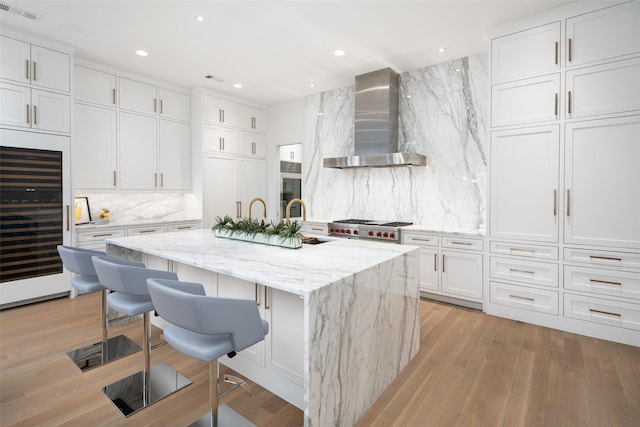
(367, 229)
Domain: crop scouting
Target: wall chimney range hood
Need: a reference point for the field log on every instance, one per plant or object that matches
(376, 125)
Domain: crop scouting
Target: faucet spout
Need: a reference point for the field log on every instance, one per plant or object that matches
(264, 206)
(304, 209)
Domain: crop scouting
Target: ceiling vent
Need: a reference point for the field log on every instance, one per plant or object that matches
(22, 12)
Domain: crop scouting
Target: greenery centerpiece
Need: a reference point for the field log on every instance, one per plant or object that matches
(259, 231)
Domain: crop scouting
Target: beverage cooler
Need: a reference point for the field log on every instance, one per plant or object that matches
(35, 193)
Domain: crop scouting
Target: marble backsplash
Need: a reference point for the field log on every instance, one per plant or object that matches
(130, 208)
(443, 115)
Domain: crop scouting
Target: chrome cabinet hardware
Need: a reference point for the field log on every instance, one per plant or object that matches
(26, 61)
(418, 239)
(266, 302)
(155, 103)
(256, 297)
(161, 106)
(569, 102)
(113, 95)
(593, 310)
(161, 180)
(605, 257)
(443, 265)
(34, 71)
(316, 229)
(147, 231)
(461, 243)
(435, 262)
(522, 298)
(68, 217)
(570, 50)
(103, 235)
(516, 270)
(114, 178)
(568, 202)
(155, 179)
(556, 54)
(606, 282)
(555, 108)
(35, 114)
(28, 113)
(555, 202)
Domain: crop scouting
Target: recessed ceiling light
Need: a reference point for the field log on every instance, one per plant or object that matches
(408, 96)
(457, 70)
(312, 85)
(339, 52)
(320, 113)
(237, 85)
(142, 53)
(200, 18)
(441, 50)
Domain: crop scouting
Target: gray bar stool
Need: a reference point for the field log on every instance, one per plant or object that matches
(207, 328)
(85, 280)
(130, 296)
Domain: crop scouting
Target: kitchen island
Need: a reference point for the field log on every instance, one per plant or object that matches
(344, 315)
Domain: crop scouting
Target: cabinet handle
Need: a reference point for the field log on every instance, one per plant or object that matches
(222, 144)
(146, 231)
(522, 250)
(266, 302)
(155, 179)
(568, 202)
(522, 298)
(220, 115)
(28, 110)
(555, 202)
(435, 262)
(113, 95)
(555, 106)
(605, 282)
(292, 156)
(316, 229)
(103, 235)
(605, 257)
(462, 243)
(443, 265)
(420, 239)
(26, 68)
(34, 71)
(593, 310)
(570, 50)
(569, 102)
(68, 217)
(114, 178)
(515, 270)
(556, 53)
(155, 105)
(35, 114)
(161, 106)
(161, 180)
(257, 301)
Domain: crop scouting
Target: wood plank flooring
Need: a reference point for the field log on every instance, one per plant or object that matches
(472, 369)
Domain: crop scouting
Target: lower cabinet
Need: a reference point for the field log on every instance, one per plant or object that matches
(452, 273)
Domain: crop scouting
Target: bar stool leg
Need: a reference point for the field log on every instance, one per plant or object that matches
(105, 324)
(146, 348)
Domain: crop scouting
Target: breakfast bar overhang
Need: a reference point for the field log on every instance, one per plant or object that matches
(360, 305)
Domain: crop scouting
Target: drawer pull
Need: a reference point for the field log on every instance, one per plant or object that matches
(147, 231)
(605, 257)
(570, 50)
(418, 239)
(462, 243)
(522, 298)
(257, 301)
(435, 262)
(556, 57)
(515, 270)
(103, 235)
(316, 229)
(555, 106)
(531, 251)
(186, 227)
(606, 282)
(605, 312)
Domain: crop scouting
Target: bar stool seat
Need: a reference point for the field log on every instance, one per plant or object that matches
(85, 280)
(131, 296)
(208, 328)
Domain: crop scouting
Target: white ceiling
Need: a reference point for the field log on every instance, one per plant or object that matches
(275, 49)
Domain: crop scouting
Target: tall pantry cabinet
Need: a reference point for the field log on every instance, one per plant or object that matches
(565, 143)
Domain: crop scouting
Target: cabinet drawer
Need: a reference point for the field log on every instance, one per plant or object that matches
(523, 297)
(461, 243)
(419, 239)
(593, 257)
(601, 281)
(99, 235)
(316, 228)
(598, 310)
(537, 273)
(526, 101)
(135, 231)
(183, 227)
(530, 251)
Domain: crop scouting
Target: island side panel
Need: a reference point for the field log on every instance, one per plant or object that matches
(363, 331)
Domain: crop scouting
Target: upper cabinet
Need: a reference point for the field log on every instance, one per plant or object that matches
(93, 86)
(606, 34)
(35, 65)
(219, 111)
(251, 118)
(527, 53)
(149, 99)
(174, 105)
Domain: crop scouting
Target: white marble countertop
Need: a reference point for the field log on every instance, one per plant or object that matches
(137, 222)
(298, 271)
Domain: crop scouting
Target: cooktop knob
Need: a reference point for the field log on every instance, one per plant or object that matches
(348, 231)
(355, 231)
(385, 234)
(392, 235)
(378, 234)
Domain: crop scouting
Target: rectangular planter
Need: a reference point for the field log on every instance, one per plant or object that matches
(260, 238)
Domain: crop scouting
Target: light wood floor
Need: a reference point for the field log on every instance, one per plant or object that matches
(472, 369)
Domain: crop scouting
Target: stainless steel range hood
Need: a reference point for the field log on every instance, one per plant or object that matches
(376, 125)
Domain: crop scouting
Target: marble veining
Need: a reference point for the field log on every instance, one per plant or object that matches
(443, 114)
(134, 208)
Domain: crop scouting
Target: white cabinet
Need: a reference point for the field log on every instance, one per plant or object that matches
(524, 184)
(219, 111)
(291, 153)
(604, 34)
(33, 108)
(526, 53)
(230, 184)
(138, 96)
(35, 65)
(138, 152)
(610, 88)
(95, 147)
(450, 273)
(220, 140)
(252, 144)
(251, 118)
(174, 105)
(601, 178)
(542, 101)
(174, 155)
(94, 86)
